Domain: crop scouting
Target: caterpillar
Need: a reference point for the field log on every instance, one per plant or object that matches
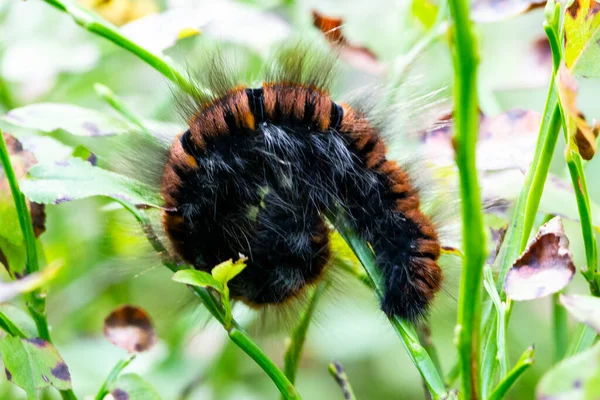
(259, 169)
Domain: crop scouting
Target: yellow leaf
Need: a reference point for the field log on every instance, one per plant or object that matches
(228, 270)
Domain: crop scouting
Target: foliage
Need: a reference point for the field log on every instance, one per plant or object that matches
(63, 111)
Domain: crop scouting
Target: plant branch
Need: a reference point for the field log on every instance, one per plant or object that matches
(95, 24)
(36, 304)
(464, 52)
(235, 332)
(119, 106)
(298, 336)
(404, 329)
(337, 372)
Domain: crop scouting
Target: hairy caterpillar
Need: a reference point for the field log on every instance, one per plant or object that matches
(258, 170)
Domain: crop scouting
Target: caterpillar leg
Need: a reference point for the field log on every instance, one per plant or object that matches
(289, 250)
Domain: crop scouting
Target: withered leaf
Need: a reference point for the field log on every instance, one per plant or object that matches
(358, 56)
(545, 267)
(581, 134)
(130, 328)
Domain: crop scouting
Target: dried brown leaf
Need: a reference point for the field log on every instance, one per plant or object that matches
(130, 328)
(358, 56)
(545, 267)
(580, 132)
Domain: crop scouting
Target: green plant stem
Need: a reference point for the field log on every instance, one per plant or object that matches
(95, 24)
(36, 303)
(112, 377)
(298, 336)
(528, 201)
(524, 362)
(575, 164)
(404, 329)
(119, 106)
(36, 300)
(337, 372)
(464, 54)
(235, 332)
(241, 338)
(559, 318)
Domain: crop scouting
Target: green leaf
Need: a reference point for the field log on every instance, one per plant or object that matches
(133, 387)
(76, 179)
(582, 35)
(34, 364)
(576, 378)
(79, 121)
(228, 270)
(197, 278)
(20, 318)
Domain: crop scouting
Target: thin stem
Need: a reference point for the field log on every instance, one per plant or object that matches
(36, 304)
(465, 58)
(337, 372)
(524, 362)
(119, 106)
(235, 331)
(298, 336)
(241, 338)
(560, 329)
(575, 164)
(102, 28)
(405, 331)
(112, 377)
(528, 201)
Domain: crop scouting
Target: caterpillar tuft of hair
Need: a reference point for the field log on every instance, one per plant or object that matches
(258, 170)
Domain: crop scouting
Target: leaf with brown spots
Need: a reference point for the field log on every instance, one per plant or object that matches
(357, 56)
(34, 364)
(576, 378)
(582, 136)
(586, 309)
(545, 267)
(497, 10)
(582, 38)
(130, 328)
(12, 245)
(133, 387)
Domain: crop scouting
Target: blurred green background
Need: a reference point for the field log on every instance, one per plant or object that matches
(45, 57)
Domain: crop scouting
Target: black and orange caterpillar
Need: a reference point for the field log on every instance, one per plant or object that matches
(258, 169)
